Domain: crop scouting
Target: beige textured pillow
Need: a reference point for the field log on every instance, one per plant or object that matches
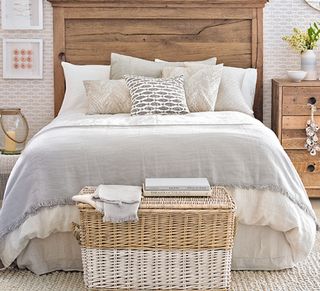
(108, 97)
(201, 84)
(125, 65)
(230, 96)
(211, 61)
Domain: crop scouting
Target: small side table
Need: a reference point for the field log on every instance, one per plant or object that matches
(6, 165)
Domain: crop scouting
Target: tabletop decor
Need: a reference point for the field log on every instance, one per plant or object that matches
(22, 58)
(304, 42)
(14, 131)
(22, 14)
(314, 4)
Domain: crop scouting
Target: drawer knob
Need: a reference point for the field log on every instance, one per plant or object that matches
(312, 100)
(311, 168)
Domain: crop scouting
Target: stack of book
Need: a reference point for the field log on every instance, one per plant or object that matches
(164, 187)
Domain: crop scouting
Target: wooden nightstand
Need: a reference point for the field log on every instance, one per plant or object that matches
(6, 164)
(290, 112)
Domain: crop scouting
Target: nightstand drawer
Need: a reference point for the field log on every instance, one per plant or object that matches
(296, 99)
(293, 131)
(307, 166)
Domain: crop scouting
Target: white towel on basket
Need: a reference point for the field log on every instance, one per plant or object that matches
(118, 203)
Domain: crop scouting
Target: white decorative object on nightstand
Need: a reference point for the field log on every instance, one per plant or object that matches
(7, 163)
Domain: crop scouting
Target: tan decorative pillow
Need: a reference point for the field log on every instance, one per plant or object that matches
(201, 84)
(108, 97)
(211, 61)
(126, 65)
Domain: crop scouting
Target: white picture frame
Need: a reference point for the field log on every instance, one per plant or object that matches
(22, 14)
(22, 58)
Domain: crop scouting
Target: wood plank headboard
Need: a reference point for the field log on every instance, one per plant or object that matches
(87, 31)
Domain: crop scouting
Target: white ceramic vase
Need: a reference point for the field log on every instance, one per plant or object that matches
(309, 65)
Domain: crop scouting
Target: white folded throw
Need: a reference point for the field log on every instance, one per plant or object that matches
(85, 198)
(118, 203)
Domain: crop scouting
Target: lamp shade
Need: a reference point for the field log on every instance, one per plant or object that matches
(14, 131)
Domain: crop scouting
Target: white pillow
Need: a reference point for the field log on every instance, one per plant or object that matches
(211, 61)
(237, 89)
(249, 86)
(201, 84)
(75, 98)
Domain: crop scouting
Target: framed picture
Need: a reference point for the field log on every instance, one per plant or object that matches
(22, 14)
(22, 58)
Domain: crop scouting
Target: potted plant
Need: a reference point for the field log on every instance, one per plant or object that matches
(304, 42)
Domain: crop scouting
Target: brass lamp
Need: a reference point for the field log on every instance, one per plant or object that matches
(14, 131)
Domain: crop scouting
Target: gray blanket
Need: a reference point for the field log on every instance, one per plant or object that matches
(231, 150)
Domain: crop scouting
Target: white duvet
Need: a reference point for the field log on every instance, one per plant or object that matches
(291, 229)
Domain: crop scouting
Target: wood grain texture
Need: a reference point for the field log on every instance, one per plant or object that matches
(86, 32)
(296, 121)
(276, 120)
(290, 114)
(307, 166)
(296, 100)
(158, 3)
(92, 41)
(313, 193)
(293, 138)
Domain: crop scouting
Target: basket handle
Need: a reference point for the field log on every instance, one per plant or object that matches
(76, 231)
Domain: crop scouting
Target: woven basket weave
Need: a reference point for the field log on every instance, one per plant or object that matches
(178, 244)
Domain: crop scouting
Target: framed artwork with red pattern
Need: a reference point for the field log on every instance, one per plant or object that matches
(22, 58)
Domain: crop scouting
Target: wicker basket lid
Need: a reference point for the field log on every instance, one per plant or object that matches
(220, 199)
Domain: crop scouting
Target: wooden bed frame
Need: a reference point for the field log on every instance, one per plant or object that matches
(87, 31)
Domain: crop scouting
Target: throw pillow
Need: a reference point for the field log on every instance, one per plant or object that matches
(75, 99)
(108, 97)
(201, 83)
(230, 95)
(125, 65)
(156, 95)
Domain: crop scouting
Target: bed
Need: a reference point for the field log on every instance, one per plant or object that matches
(277, 225)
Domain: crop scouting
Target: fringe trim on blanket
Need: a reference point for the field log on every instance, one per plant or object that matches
(34, 210)
(68, 201)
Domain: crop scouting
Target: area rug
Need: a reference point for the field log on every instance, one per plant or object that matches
(304, 277)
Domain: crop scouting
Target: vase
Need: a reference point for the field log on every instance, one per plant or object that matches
(309, 64)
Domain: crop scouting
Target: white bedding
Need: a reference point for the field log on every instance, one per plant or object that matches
(263, 241)
(292, 227)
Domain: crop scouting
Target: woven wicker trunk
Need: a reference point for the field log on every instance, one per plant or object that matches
(178, 244)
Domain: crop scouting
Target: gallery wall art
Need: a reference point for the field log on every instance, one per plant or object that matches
(22, 14)
(22, 58)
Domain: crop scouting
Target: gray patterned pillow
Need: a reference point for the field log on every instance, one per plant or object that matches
(156, 95)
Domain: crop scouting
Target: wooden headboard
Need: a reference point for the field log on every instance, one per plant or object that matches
(87, 31)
